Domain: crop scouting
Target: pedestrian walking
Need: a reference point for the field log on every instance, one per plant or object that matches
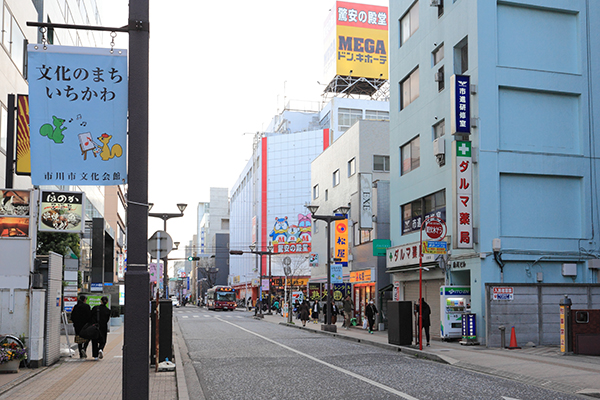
(100, 316)
(81, 315)
(315, 312)
(304, 312)
(347, 308)
(371, 312)
(257, 306)
(426, 320)
(334, 312)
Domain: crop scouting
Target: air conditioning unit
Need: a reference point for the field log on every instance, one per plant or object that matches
(439, 76)
(435, 3)
(439, 146)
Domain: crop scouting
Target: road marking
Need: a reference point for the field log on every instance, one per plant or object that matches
(196, 316)
(335, 367)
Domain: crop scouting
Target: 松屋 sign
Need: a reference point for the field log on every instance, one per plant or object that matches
(77, 115)
(463, 194)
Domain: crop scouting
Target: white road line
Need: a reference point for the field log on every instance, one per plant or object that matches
(335, 367)
(196, 316)
(184, 316)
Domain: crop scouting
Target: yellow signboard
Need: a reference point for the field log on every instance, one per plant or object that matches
(341, 241)
(356, 37)
(360, 276)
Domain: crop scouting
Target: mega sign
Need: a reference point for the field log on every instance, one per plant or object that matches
(356, 41)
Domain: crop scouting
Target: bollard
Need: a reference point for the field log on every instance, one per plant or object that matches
(502, 336)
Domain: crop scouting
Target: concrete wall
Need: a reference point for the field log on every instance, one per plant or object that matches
(534, 311)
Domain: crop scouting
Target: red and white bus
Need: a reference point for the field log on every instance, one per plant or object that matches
(220, 298)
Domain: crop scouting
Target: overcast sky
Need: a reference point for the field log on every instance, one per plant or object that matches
(218, 70)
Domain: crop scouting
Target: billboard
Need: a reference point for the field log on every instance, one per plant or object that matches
(62, 212)
(289, 236)
(356, 41)
(77, 115)
(23, 164)
(14, 213)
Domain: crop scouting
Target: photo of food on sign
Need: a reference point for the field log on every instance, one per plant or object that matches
(14, 202)
(62, 211)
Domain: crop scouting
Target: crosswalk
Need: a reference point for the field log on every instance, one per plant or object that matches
(184, 314)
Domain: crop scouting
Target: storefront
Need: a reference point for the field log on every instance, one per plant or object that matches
(363, 284)
(403, 264)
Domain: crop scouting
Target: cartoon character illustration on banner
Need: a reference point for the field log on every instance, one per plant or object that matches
(291, 238)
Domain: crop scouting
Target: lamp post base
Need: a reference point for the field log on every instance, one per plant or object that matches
(329, 328)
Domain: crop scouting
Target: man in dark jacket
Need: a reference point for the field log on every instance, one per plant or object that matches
(80, 316)
(100, 316)
(426, 320)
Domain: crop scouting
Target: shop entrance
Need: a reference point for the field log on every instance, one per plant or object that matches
(431, 293)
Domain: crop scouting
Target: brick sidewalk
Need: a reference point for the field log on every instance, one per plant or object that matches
(82, 379)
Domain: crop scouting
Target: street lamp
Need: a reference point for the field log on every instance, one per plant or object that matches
(165, 217)
(329, 219)
(269, 252)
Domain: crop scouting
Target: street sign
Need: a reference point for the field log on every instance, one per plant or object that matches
(434, 247)
(435, 229)
(160, 244)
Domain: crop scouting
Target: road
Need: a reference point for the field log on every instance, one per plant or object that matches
(235, 356)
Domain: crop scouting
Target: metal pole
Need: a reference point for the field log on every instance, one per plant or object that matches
(421, 288)
(328, 322)
(136, 343)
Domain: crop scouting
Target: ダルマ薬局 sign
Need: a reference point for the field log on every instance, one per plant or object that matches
(463, 194)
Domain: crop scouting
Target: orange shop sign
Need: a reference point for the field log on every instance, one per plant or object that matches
(361, 276)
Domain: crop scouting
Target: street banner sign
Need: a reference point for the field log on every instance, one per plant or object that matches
(77, 115)
(337, 275)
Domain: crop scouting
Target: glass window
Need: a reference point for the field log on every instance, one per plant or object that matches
(336, 177)
(6, 28)
(352, 167)
(3, 128)
(439, 78)
(409, 23)
(381, 163)
(461, 56)
(326, 194)
(415, 212)
(409, 89)
(347, 117)
(439, 129)
(438, 54)
(18, 46)
(410, 154)
(377, 115)
(316, 192)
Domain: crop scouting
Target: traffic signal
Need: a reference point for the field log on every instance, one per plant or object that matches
(191, 258)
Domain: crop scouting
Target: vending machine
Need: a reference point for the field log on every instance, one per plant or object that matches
(454, 302)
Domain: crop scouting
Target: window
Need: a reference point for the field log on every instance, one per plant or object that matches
(326, 194)
(409, 89)
(439, 129)
(315, 192)
(362, 235)
(415, 212)
(336, 178)
(410, 156)
(347, 117)
(377, 115)
(409, 23)
(438, 54)
(3, 127)
(351, 167)
(461, 57)
(440, 8)
(439, 78)
(381, 163)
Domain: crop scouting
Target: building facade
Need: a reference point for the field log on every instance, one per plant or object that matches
(354, 172)
(525, 209)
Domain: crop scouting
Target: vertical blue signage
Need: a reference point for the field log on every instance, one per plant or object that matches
(461, 104)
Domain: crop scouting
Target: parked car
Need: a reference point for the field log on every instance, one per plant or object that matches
(175, 301)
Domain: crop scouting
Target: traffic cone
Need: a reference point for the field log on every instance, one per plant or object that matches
(513, 340)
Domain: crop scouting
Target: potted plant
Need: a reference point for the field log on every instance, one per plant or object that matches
(11, 355)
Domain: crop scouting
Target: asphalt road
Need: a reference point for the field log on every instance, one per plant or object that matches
(235, 356)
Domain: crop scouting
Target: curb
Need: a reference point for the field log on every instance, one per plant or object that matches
(407, 350)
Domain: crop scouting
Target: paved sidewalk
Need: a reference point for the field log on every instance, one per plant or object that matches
(82, 379)
(542, 366)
